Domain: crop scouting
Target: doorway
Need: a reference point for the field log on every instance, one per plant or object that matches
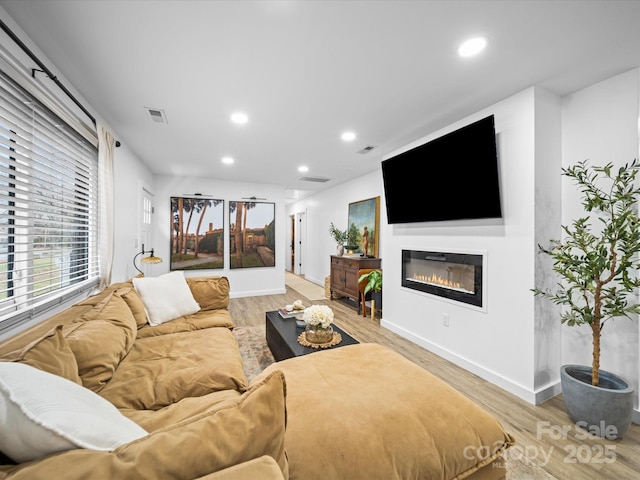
(291, 238)
(299, 244)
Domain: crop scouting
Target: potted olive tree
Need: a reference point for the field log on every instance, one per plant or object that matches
(340, 237)
(597, 262)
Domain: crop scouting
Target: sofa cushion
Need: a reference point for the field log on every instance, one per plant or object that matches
(101, 296)
(263, 468)
(211, 293)
(152, 420)
(100, 339)
(114, 309)
(41, 413)
(189, 323)
(164, 369)
(414, 424)
(166, 297)
(240, 430)
(49, 353)
(132, 298)
(98, 346)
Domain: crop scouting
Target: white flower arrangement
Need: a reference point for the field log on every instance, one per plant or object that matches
(320, 315)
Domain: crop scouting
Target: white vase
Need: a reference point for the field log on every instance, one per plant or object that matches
(340, 250)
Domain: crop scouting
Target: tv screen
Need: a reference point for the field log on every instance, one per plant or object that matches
(453, 177)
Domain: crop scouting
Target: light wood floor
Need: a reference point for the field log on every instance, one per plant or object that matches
(537, 429)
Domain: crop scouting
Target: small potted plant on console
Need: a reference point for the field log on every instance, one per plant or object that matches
(372, 287)
(340, 237)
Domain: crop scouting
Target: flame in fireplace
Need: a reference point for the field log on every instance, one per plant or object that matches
(438, 281)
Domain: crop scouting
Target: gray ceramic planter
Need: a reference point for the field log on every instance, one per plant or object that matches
(604, 410)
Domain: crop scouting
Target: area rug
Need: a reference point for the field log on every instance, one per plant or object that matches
(304, 287)
(254, 351)
(256, 357)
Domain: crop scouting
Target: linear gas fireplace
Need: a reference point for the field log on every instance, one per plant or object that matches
(455, 276)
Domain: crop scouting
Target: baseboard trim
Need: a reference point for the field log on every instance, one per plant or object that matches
(545, 393)
(257, 293)
(318, 282)
(533, 397)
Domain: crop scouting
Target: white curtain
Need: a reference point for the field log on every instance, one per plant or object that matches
(106, 147)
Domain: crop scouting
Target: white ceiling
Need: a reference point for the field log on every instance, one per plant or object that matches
(305, 71)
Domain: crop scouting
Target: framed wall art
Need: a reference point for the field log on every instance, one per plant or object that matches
(197, 233)
(364, 221)
(252, 232)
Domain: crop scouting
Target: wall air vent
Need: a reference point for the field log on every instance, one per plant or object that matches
(314, 179)
(366, 149)
(157, 115)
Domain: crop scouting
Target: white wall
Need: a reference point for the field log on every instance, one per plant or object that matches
(499, 343)
(332, 205)
(600, 123)
(130, 175)
(547, 200)
(243, 281)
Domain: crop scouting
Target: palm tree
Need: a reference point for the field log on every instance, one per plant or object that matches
(188, 207)
(247, 207)
(175, 224)
(201, 206)
(180, 234)
(237, 232)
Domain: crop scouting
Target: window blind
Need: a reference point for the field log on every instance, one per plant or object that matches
(48, 207)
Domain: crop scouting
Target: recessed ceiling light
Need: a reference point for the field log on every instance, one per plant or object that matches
(303, 169)
(227, 160)
(239, 118)
(472, 47)
(348, 136)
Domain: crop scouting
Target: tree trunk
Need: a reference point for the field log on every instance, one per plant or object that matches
(595, 369)
(180, 224)
(238, 233)
(186, 231)
(195, 247)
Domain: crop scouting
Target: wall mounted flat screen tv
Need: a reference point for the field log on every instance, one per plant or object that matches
(454, 177)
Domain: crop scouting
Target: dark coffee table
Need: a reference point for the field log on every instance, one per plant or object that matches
(282, 337)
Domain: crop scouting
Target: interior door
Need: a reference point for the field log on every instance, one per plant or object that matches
(299, 244)
(146, 210)
(145, 224)
(291, 238)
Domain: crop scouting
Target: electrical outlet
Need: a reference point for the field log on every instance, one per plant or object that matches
(445, 319)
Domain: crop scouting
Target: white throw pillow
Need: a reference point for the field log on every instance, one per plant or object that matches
(42, 413)
(166, 297)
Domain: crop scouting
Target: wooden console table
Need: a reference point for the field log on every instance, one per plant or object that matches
(344, 274)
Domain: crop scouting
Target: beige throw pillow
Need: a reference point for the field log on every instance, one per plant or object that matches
(211, 293)
(49, 353)
(100, 340)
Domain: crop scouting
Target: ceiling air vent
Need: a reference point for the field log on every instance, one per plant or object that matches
(314, 179)
(366, 149)
(157, 115)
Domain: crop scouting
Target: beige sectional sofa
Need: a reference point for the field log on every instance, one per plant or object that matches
(116, 397)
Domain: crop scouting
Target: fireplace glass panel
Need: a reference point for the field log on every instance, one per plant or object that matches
(449, 275)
